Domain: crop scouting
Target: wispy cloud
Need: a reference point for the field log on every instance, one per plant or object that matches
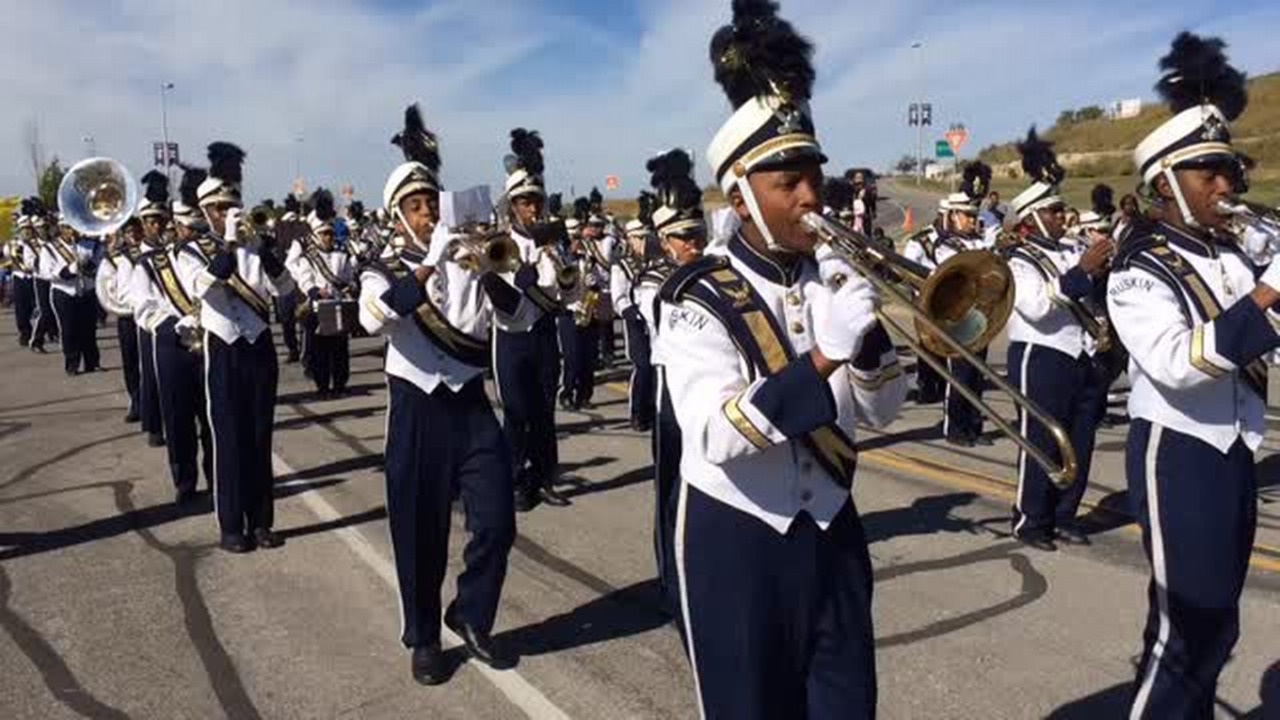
(607, 86)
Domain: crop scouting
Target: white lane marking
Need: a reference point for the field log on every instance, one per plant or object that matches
(519, 691)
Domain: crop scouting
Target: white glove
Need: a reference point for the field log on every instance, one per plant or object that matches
(444, 247)
(230, 233)
(841, 318)
(833, 268)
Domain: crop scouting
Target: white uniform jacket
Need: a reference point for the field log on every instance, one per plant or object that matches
(1042, 314)
(239, 306)
(73, 268)
(744, 434)
(541, 298)
(1188, 372)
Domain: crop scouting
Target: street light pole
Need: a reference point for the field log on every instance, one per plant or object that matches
(918, 46)
(164, 130)
(91, 145)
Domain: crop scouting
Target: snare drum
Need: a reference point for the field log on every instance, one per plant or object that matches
(336, 317)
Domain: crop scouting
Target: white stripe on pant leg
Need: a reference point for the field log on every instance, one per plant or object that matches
(493, 362)
(631, 381)
(215, 481)
(57, 318)
(1159, 573)
(946, 406)
(391, 541)
(1024, 384)
(681, 509)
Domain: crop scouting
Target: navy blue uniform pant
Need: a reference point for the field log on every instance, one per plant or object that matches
(667, 444)
(930, 387)
(180, 382)
(46, 327)
(1061, 386)
(286, 313)
(1198, 511)
(240, 390)
(567, 335)
(149, 393)
(329, 359)
(24, 307)
(441, 446)
(961, 420)
(127, 334)
(525, 368)
(580, 364)
(77, 318)
(778, 626)
(641, 389)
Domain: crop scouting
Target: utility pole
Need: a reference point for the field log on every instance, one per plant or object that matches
(164, 130)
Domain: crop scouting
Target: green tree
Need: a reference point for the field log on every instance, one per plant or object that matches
(906, 164)
(1092, 112)
(50, 179)
(1065, 118)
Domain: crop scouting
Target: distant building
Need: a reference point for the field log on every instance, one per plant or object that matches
(1124, 109)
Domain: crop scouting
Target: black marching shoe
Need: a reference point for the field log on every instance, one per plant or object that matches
(155, 439)
(185, 496)
(960, 441)
(553, 497)
(236, 544)
(267, 538)
(293, 358)
(983, 439)
(429, 665)
(1072, 534)
(132, 416)
(526, 499)
(479, 645)
(1038, 542)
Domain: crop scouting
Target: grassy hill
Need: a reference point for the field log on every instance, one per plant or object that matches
(1100, 150)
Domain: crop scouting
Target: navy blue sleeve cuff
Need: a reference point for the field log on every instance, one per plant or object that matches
(504, 297)
(1075, 283)
(66, 274)
(313, 294)
(874, 346)
(1243, 333)
(797, 400)
(222, 265)
(405, 295)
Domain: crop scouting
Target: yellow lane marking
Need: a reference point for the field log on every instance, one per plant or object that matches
(995, 487)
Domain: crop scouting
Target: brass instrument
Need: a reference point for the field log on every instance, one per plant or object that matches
(1256, 215)
(191, 336)
(958, 309)
(487, 248)
(568, 275)
(256, 222)
(97, 196)
(585, 313)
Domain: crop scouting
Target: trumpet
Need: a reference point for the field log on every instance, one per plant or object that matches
(1256, 215)
(958, 310)
(568, 276)
(483, 247)
(256, 222)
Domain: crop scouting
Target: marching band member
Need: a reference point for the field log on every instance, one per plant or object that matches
(24, 255)
(775, 366)
(682, 236)
(1049, 347)
(46, 327)
(287, 306)
(623, 277)
(443, 439)
(112, 285)
(526, 355)
(1199, 321)
(233, 276)
(73, 267)
(325, 273)
(148, 241)
(166, 310)
(922, 248)
(1109, 358)
(961, 421)
(582, 352)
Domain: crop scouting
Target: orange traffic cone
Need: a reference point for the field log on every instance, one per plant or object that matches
(908, 222)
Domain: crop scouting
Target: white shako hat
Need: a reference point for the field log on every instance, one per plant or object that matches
(323, 211)
(1099, 216)
(226, 173)
(524, 165)
(186, 209)
(1040, 163)
(155, 195)
(679, 209)
(421, 169)
(635, 228)
(764, 67)
(1206, 94)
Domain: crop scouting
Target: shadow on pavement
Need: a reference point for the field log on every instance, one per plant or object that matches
(631, 477)
(1110, 703)
(625, 612)
(925, 516)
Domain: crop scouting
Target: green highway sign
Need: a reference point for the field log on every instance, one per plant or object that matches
(943, 150)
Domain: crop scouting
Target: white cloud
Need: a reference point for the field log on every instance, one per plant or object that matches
(338, 73)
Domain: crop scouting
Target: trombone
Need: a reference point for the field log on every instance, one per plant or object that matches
(958, 309)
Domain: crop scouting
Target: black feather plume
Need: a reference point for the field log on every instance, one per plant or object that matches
(647, 202)
(977, 179)
(322, 202)
(190, 184)
(526, 146)
(581, 209)
(268, 203)
(837, 193)
(36, 206)
(157, 187)
(418, 144)
(291, 205)
(597, 200)
(761, 54)
(1103, 198)
(1197, 71)
(226, 162)
(355, 211)
(555, 204)
(1039, 161)
(671, 175)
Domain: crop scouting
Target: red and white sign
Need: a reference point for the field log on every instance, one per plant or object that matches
(956, 138)
(611, 182)
(348, 192)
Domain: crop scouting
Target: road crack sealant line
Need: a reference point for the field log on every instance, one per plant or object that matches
(518, 690)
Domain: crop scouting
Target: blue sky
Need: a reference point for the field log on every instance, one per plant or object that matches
(607, 83)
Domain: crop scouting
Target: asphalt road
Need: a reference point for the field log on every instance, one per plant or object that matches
(113, 604)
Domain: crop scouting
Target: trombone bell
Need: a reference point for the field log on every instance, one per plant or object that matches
(97, 196)
(970, 296)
